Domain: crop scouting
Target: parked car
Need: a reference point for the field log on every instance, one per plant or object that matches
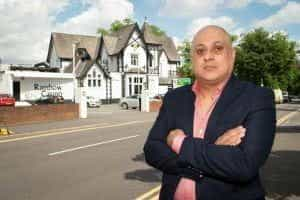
(159, 96)
(7, 100)
(50, 100)
(130, 102)
(93, 102)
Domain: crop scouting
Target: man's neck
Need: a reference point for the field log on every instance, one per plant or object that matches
(210, 89)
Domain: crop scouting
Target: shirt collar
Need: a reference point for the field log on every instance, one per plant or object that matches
(196, 87)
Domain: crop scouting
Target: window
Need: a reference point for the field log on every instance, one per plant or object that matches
(94, 73)
(134, 59)
(89, 82)
(136, 89)
(99, 83)
(89, 76)
(94, 83)
(150, 60)
(137, 85)
(129, 86)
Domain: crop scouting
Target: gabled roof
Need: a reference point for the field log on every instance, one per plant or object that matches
(62, 43)
(118, 40)
(150, 37)
(170, 49)
(82, 67)
(163, 40)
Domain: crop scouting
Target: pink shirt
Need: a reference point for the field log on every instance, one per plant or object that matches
(186, 189)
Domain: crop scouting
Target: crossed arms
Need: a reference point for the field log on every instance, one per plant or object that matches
(229, 158)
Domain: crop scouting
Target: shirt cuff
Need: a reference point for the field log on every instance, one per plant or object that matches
(177, 142)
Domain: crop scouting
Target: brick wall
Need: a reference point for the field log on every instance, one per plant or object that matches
(38, 113)
(155, 105)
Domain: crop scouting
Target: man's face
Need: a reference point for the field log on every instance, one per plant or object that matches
(212, 56)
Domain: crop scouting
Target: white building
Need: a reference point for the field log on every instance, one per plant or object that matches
(110, 67)
(119, 64)
(33, 83)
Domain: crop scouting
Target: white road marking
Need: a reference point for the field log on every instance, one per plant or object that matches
(286, 117)
(150, 193)
(73, 131)
(91, 145)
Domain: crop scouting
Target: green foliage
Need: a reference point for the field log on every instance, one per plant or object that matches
(266, 58)
(186, 69)
(157, 31)
(102, 31)
(233, 38)
(115, 26)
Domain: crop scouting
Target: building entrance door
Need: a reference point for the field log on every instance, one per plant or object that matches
(16, 90)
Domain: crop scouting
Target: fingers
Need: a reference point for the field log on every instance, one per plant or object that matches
(232, 137)
(172, 134)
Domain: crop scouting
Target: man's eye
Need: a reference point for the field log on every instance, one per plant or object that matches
(219, 49)
(200, 51)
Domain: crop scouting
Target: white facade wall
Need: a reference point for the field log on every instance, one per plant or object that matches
(34, 88)
(153, 85)
(163, 65)
(6, 83)
(54, 60)
(95, 91)
(162, 89)
(154, 52)
(135, 47)
(116, 83)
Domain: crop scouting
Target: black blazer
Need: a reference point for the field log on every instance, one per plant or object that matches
(228, 172)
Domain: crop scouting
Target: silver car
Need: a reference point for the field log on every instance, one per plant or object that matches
(130, 102)
(93, 102)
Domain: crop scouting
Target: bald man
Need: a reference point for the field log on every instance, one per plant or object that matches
(211, 138)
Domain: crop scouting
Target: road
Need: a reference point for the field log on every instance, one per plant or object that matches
(101, 158)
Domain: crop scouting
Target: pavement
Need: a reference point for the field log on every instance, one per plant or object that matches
(101, 158)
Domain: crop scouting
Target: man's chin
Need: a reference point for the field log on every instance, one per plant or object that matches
(212, 80)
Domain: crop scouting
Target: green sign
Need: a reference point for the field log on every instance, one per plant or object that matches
(183, 81)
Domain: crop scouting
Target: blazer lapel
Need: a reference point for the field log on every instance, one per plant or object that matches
(230, 92)
(189, 109)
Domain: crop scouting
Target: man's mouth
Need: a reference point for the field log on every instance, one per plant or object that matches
(209, 67)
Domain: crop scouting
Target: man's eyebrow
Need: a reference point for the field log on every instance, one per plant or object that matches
(199, 45)
(219, 43)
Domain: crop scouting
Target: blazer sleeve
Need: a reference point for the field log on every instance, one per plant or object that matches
(157, 153)
(236, 163)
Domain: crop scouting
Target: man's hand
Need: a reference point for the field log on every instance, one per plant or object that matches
(172, 135)
(232, 137)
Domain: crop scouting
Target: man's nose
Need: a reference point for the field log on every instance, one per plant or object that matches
(208, 55)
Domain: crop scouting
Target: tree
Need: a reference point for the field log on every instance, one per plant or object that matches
(186, 68)
(115, 26)
(267, 59)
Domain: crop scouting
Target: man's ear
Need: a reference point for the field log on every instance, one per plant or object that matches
(233, 53)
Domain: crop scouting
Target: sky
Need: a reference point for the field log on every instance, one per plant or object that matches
(26, 25)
